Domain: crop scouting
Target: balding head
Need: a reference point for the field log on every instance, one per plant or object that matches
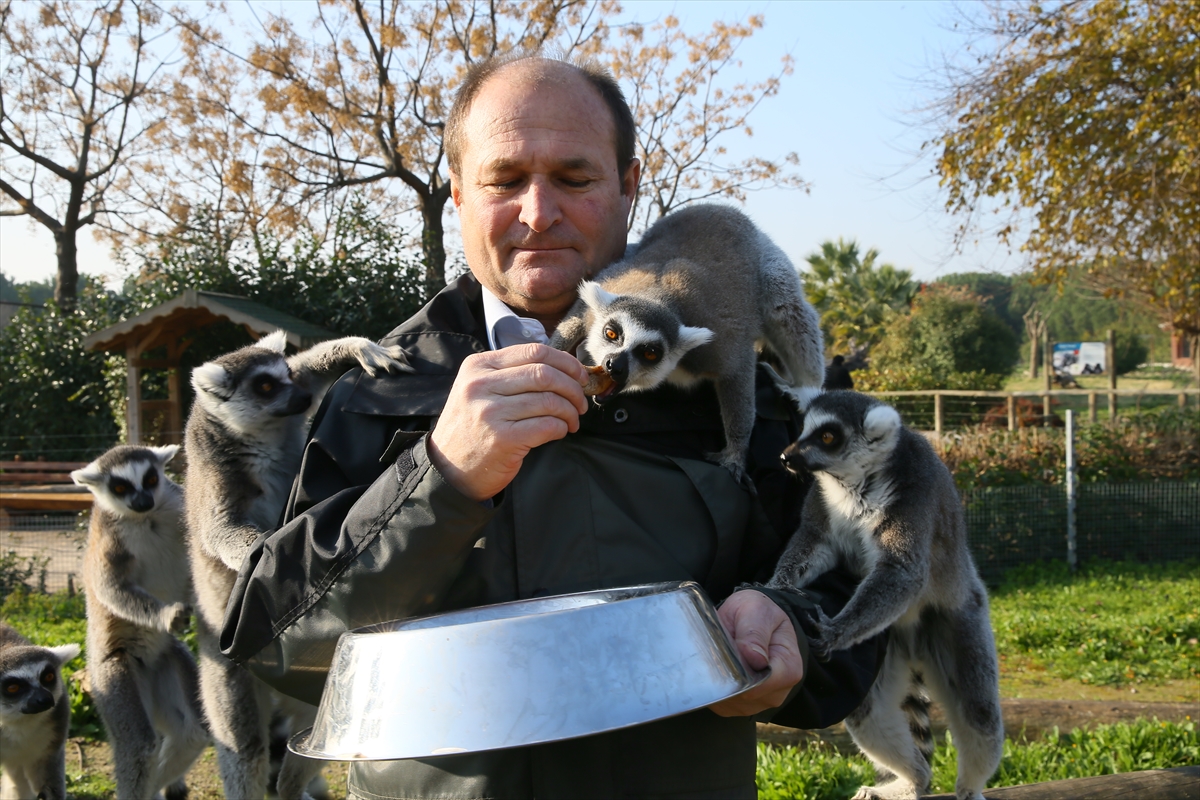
(539, 72)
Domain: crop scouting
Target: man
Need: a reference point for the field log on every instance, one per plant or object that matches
(482, 476)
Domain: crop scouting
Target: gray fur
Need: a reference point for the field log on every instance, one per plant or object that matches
(885, 506)
(244, 448)
(706, 289)
(143, 679)
(34, 718)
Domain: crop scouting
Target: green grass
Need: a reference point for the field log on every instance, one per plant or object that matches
(1109, 624)
(820, 772)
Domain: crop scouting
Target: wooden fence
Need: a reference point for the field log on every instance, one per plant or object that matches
(1015, 414)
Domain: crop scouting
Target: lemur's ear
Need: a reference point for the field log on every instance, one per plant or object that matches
(165, 453)
(88, 476)
(690, 338)
(212, 378)
(64, 652)
(594, 296)
(881, 421)
(276, 341)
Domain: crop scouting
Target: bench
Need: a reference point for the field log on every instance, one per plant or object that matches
(41, 486)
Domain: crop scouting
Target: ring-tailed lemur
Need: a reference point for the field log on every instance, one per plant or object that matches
(244, 440)
(885, 505)
(704, 289)
(35, 713)
(143, 679)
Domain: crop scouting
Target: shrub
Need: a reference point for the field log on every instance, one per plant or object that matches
(949, 331)
(1164, 444)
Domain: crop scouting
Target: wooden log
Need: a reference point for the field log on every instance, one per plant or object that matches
(1180, 783)
(46, 501)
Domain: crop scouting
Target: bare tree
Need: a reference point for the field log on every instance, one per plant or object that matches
(684, 112)
(359, 98)
(73, 85)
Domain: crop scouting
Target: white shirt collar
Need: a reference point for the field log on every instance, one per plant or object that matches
(505, 328)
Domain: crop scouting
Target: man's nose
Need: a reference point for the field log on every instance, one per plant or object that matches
(539, 205)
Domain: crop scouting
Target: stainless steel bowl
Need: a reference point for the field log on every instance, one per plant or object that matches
(522, 673)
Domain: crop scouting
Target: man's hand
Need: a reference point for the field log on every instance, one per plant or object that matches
(503, 404)
(764, 636)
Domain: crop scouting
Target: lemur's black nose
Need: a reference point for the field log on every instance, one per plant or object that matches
(617, 368)
(792, 460)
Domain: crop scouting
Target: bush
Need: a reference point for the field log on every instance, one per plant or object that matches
(1164, 444)
(54, 397)
(948, 332)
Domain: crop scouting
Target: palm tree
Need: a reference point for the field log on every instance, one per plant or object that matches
(854, 297)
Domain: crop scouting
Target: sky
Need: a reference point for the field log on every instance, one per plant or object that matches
(846, 111)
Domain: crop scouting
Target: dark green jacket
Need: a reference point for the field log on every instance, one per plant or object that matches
(372, 532)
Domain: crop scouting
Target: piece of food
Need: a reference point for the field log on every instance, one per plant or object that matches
(600, 383)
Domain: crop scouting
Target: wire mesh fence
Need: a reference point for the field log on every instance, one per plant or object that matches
(1007, 526)
(1141, 521)
(54, 543)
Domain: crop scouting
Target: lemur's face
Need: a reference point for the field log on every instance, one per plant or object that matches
(846, 434)
(128, 481)
(31, 679)
(638, 342)
(250, 388)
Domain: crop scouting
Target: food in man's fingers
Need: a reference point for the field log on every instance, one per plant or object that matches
(600, 384)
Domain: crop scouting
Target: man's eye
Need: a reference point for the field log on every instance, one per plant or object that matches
(827, 437)
(577, 183)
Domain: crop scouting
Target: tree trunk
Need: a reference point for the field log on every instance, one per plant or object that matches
(68, 268)
(433, 244)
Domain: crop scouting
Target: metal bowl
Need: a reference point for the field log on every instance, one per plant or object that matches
(522, 673)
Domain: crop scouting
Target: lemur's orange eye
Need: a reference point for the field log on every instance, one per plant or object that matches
(12, 688)
(266, 386)
(119, 489)
(827, 437)
(48, 678)
(650, 354)
(610, 334)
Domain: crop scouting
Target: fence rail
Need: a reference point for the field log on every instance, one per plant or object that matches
(932, 409)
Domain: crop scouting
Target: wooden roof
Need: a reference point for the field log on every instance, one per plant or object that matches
(195, 309)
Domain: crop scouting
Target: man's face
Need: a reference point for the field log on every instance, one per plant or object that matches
(540, 196)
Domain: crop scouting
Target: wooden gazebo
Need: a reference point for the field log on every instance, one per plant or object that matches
(168, 326)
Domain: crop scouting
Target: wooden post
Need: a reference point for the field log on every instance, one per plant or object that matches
(937, 413)
(1182, 400)
(1091, 408)
(1012, 413)
(133, 391)
(1110, 366)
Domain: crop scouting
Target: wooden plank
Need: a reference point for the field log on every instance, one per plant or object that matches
(1180, 783)
(49, 465)
(46, 501)
(35, 477)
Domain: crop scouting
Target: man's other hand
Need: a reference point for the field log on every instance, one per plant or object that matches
(765, 637)
(503, 404)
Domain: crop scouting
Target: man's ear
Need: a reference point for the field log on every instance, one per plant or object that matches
(455, 190)
(630, 182)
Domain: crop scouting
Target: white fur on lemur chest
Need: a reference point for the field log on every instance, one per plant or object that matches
(854, 516)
